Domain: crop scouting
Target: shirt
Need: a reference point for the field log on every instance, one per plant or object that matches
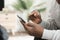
(52, 23)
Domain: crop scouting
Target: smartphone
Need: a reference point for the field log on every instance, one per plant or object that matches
(21, 19)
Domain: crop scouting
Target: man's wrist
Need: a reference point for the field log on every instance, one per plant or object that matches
(48, 34)
(42, 30)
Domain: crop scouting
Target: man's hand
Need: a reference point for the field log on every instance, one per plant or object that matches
(35, 17)
(33, 29)
(58, 1)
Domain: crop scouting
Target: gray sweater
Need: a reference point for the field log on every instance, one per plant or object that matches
(52, 23)
(52, 17)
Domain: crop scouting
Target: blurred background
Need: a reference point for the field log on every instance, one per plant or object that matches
(12, 8)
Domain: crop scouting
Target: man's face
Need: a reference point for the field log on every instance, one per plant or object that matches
(58, 1)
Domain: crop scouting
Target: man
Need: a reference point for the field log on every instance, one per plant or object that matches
(48, 29)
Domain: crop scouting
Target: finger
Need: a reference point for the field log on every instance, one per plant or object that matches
(31, 24)
(34, 12)
(26, 26)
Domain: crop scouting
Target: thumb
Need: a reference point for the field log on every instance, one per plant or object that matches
(26, 26)
(31, 24)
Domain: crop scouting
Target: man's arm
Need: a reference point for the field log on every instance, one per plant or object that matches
(36, 30)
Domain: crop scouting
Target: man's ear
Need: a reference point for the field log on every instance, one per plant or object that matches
(58, 1)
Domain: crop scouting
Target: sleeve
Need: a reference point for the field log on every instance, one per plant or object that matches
(49, 24)
(51, 17)
(51, 34)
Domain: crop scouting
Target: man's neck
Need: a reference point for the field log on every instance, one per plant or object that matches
(58, 1)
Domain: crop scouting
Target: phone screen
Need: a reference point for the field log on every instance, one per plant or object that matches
(21, 19)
